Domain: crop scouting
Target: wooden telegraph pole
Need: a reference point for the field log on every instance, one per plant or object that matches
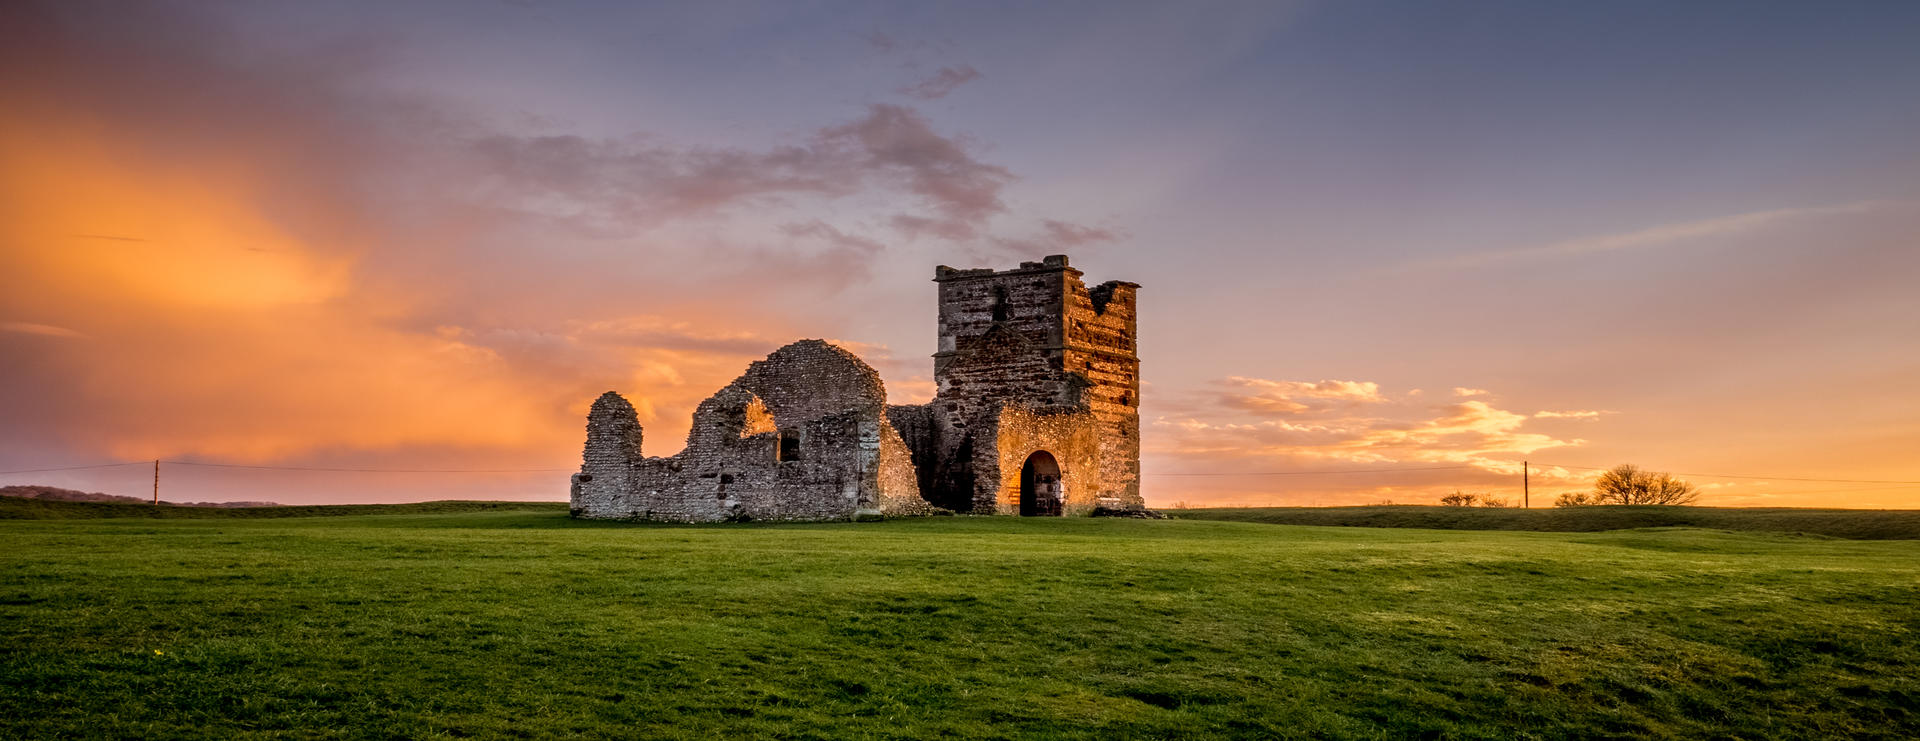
(1525, 493)
(156, 481)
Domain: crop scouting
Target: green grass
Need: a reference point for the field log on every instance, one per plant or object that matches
(1866, 524)
(526, 623)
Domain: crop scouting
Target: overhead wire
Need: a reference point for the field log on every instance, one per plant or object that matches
(77, 468)
(291, 468)
(1311, 473)
(368, 470)
(1735, 476)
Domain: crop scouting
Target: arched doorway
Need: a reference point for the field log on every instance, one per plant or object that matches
(1041, 491)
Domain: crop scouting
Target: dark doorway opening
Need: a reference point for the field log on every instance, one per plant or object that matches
(951, 481)
(1041, 492)
(789, 446)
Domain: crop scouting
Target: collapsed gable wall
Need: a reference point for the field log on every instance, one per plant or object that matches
(842, 457)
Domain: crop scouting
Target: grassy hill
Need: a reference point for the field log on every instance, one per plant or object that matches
(1839, 523)
(522, 622)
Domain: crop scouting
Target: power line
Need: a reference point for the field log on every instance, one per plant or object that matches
(1752, 490)
(76, 468)
(370, 470)
(1315, 473)
(295, 468)
(1757, 478)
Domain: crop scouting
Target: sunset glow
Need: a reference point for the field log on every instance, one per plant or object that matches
(1382, 258)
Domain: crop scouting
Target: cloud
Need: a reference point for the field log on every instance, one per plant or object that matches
(1657, 235)
(1588, 415)
(1282, 398)
(941, 83)
(840, 240)
(881, 42)
(1463, 391)
(961, 191)
(1056, 236)
(617, 187)
(1316, 431)
(44, 330)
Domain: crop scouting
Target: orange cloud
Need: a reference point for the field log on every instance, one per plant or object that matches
(44, 330)
(1315, 432)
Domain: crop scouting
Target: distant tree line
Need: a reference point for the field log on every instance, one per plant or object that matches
(1471, 499)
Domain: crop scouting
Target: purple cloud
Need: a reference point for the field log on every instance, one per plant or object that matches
(941, 83)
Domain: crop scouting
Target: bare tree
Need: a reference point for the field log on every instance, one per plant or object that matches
(1574, 499)
(1465, 499)
(1627, 484)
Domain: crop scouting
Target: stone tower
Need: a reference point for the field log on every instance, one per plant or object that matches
(1037, 410)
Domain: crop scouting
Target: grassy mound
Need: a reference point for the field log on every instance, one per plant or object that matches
(527, 623)
(1865, 524)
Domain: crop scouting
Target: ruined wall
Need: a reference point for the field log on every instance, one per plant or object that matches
(800, 436)
(914, 425)
(899, 479)
(606, 466)
(1101, 347)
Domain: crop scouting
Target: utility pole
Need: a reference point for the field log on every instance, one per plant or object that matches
(156, 481)
(1525, 487)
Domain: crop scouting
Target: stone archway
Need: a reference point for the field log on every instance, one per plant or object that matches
(1042, 493)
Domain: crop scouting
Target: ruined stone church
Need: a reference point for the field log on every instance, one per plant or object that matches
(1037, 413)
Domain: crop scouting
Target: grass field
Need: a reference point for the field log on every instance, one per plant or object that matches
(462, 620)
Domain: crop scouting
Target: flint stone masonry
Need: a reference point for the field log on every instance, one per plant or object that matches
(1036, 412)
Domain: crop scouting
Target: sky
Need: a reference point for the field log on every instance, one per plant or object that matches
(1388, 250)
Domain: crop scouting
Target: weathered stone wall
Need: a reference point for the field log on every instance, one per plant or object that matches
(1026, 301)
(914, 425)
(1072, 437)
(1101, 347)
(841, 456)
(899, 479)
(606, 466)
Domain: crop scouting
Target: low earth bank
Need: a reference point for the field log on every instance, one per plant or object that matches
(40, 509)
(1859, 524)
